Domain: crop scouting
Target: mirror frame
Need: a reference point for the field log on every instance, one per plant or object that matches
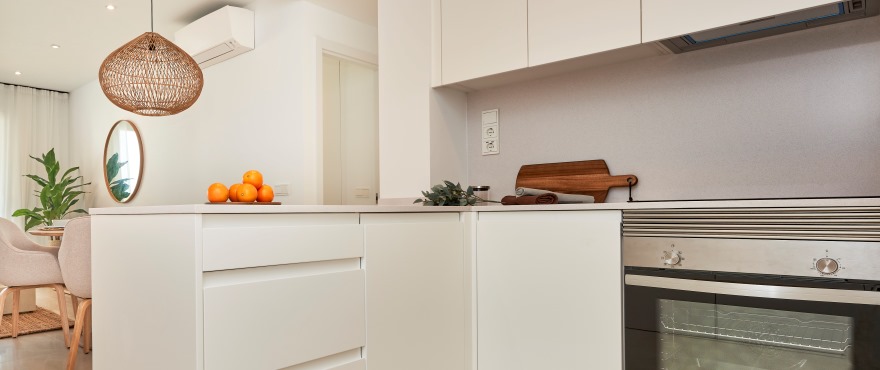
(137, 185)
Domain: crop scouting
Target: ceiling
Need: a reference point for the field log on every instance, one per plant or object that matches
(87, 32)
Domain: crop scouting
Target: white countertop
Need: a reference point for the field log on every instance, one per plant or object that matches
(284, 208)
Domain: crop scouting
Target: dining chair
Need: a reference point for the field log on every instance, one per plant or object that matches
(28, 265)
(75, 259)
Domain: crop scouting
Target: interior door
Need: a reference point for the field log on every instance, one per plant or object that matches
(351, 150)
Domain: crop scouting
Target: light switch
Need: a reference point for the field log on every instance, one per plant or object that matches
(361, 192)
(282, 189)
(490, 116)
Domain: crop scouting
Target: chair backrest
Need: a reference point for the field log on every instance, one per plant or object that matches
(75, 257)
(14, 236)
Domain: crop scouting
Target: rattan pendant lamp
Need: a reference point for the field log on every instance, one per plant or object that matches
(151, 76)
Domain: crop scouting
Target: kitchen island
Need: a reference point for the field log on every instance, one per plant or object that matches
(344, 287)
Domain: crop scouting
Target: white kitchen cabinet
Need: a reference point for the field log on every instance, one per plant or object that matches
(549, 290)
(482, 38)
(564, 29)
(662, 19)
(415, 291)
(208, 291)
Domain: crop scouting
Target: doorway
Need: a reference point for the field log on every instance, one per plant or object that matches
(350, 131)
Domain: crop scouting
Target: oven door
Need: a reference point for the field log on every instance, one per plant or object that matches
(691, 320)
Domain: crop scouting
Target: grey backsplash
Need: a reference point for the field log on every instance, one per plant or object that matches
(796, 115)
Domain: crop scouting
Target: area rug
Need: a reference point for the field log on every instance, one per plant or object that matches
(32, 322)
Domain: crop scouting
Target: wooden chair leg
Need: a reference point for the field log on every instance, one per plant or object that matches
(73, 304)
(62, 306)
(77, 332)
(16, 301)
(87, 347)
(3, 294)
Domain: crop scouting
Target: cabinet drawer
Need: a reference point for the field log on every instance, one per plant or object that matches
(241, 247)
(357, 365)
(277, 323)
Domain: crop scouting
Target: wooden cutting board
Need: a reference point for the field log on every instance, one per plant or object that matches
(581, 177)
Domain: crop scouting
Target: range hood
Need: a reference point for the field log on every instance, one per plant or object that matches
(774, 25)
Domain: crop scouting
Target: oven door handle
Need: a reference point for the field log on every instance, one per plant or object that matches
(761, 291)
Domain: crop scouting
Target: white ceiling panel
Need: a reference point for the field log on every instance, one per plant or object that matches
(86, 32)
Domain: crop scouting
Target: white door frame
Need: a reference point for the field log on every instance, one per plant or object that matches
(317, 152)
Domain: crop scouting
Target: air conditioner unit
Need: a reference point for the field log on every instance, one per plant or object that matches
(218, 36)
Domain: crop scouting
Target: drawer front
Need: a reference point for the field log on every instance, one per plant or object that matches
(242, 247)
(349, 360)
(279, 323)
(357, 365)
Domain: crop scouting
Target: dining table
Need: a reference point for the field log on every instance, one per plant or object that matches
(54, 234)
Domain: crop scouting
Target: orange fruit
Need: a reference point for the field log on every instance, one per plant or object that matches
(254, 178)
(246, 193)
(217, 193)
(265, 194)
(233, 192)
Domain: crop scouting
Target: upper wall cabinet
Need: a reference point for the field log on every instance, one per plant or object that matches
(482, 37)
(564, 29)
(662, 19)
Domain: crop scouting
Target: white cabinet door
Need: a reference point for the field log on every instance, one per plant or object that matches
(280, 316)
(549, 290)
(563, 29)
(662, 19)
(482, 38)
(415, 291)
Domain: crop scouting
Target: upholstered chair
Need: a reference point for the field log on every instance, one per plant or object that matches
(75, 258)
(26, 265)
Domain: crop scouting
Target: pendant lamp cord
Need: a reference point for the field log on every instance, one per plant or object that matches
(151, 16)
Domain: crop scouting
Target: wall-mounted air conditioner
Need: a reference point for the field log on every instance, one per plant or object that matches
(218, 36)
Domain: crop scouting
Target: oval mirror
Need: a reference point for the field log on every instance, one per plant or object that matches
(123, 161)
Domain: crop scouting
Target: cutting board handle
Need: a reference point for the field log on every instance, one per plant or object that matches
(624, 180)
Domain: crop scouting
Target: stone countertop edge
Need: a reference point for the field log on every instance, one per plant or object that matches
(236, 208)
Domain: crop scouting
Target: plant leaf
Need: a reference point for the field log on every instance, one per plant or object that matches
(56, 196)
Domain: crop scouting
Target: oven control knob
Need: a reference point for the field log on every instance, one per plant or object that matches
(827, 266)
(672, 258)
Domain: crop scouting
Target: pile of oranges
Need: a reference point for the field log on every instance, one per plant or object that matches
(250, 189)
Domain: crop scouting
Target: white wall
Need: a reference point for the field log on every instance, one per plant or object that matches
(795, 115)
(422, 131)
(257, 111)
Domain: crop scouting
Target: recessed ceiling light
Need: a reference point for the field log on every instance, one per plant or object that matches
(17, 73)
(110, 7)
(55, 46)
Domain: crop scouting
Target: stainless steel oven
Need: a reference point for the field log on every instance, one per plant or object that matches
(759, 288)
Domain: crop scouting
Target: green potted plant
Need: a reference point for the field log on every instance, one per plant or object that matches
(449, 194)
(57, 194)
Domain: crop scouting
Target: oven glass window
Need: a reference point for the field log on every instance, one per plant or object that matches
(695, 335)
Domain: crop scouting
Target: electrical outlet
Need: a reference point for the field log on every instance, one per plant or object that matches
(490, 131)
(491, 140)
(491, 146)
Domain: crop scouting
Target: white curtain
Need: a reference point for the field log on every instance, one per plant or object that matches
(32, 121)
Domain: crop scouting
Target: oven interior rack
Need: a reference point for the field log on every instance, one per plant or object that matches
(760, 329)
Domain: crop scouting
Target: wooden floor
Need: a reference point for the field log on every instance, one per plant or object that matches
(41, 351)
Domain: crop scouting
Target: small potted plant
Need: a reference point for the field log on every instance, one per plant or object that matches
(449, 194)
(57, 195)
